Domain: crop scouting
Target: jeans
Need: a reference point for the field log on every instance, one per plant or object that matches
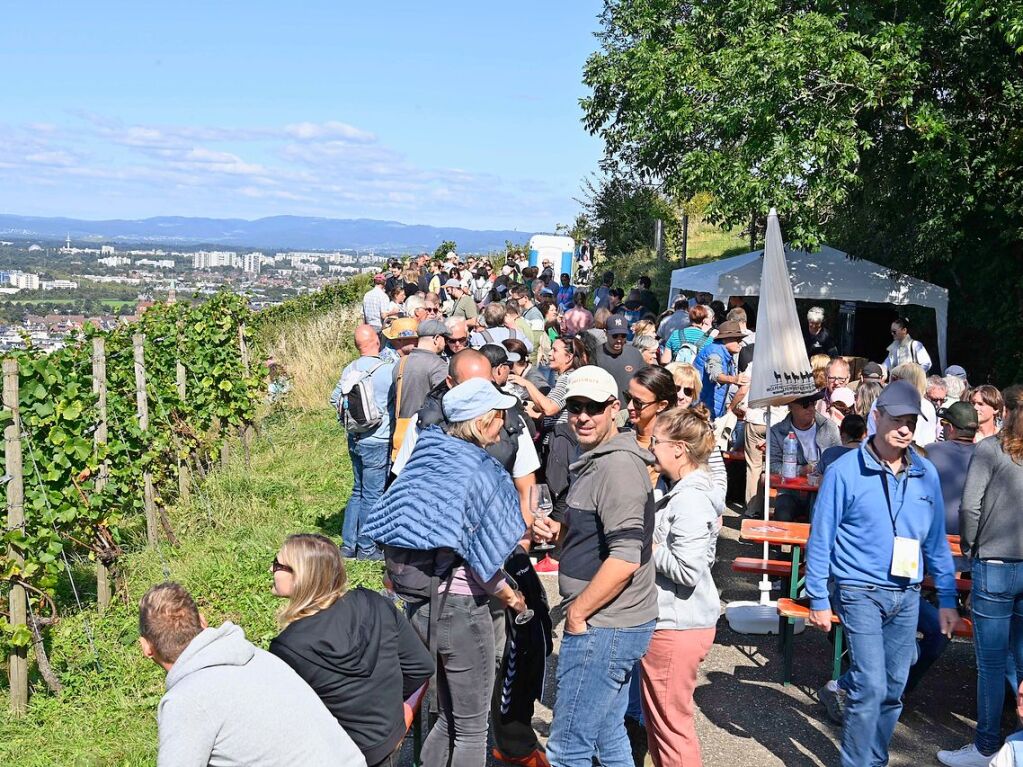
(880, 626)
(594, 674)
(465, 680)
(997, 634)
(931, 645)
(369, 468)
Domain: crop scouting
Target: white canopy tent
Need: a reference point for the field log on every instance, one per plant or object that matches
(828, 274)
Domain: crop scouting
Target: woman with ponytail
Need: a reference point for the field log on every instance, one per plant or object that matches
(685, 541)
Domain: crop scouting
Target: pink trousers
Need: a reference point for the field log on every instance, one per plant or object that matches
(668, 682)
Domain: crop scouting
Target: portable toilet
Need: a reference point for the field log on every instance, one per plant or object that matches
(559, 249)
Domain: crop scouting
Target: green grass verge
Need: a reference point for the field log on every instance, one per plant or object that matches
(298, 480)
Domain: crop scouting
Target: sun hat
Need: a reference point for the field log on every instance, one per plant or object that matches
(729, 331)
(403, 327)
(474, 398)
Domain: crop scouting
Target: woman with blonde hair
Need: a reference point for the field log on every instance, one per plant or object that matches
(684, 546)
(819, 364)
(866, 394)
(688, 380)
(357, 652)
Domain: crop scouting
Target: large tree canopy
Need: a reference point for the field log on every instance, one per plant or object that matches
(892, 129)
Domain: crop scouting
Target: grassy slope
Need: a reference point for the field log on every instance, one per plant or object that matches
(298, 481)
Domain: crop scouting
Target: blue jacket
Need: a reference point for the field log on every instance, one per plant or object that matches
(451, 494)
(713, 394)
(851, 538)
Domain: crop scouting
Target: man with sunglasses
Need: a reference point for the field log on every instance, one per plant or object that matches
(457, 339)
(606, 578)
(814, 433)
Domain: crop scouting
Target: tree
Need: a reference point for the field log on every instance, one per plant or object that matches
(891, 129)
(620, 213)
(448, 246)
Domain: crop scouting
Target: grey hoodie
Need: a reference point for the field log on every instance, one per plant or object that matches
(686, 534)
(229, 703)
(610, 513)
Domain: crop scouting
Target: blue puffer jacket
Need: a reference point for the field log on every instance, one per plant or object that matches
(451, 494)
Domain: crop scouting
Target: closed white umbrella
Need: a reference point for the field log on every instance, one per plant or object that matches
(781, 374)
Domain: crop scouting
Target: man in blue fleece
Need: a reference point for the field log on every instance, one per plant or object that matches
(878, 523)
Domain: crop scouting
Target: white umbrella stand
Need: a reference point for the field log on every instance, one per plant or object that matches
(781, 374)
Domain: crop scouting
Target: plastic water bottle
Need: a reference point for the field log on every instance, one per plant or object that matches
(789, 457)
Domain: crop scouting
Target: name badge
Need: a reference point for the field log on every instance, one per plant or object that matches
(906, 558)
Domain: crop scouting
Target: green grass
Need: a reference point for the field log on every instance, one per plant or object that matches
(298, 480)
(709, 243)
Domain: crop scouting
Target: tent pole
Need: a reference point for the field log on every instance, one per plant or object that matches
(765, 594)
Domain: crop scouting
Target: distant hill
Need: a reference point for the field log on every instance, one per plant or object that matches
(280, 232)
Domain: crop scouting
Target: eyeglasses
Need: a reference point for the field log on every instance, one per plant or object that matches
(276, 566)
(654, 442)
(838, 379)
(591, 408)
(461, 341)
(431, 310)
(936, 401)
(689, 391)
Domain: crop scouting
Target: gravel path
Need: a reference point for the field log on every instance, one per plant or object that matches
(746, 717)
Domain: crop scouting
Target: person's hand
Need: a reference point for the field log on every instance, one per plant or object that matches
(516, 379)
(820, 619)
(574, 623)
(948, 618)
(545, 530)
(518, 602)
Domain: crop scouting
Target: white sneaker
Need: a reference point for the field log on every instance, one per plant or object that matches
(967, 756)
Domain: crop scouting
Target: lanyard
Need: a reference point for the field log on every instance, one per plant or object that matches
(883, 476)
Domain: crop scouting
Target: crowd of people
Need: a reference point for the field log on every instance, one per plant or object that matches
(494, 411)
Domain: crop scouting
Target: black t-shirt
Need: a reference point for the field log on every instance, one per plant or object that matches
(622, 367)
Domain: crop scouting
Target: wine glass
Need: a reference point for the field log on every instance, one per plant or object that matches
(541, 504)
(526, 615)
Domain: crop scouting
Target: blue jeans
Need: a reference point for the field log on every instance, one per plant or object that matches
(370, 459)
(880, 627)
(997, 638)
(594, 673)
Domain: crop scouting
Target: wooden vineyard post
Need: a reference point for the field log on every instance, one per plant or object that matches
(184, 471)
(18, 661)
(246, 430)
(99, 388)
(142, 403)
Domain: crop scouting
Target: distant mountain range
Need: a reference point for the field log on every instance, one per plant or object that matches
(278, 232)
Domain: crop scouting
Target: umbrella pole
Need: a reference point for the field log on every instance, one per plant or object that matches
(765, 583)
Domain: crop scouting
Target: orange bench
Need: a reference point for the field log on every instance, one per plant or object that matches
(779, 567)
(799, 609)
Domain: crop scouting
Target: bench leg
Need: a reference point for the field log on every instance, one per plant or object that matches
(788, 632)
(836, 666)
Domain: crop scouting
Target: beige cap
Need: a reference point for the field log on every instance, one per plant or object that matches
(592, 383)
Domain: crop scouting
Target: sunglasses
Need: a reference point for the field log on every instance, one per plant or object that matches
(689, 391)
(639, 404)
(276, 566)
(591, 408)
(462, 340)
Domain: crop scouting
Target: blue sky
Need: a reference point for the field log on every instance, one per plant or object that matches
(446, 113)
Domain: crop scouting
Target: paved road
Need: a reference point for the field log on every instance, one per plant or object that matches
(746, 717)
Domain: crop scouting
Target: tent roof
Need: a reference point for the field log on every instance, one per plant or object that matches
(827, 274)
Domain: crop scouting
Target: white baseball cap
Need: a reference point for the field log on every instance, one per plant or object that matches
(592, 383)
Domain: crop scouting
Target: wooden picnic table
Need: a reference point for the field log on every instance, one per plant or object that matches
(796, 535)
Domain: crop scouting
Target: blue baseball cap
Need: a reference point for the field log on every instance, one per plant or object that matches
(473, 398)
(956, 370)
(900, 398)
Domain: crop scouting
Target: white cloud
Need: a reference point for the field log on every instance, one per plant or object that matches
(329, 168)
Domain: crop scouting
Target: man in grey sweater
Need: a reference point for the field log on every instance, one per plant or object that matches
(229, 703)
(606, 577)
